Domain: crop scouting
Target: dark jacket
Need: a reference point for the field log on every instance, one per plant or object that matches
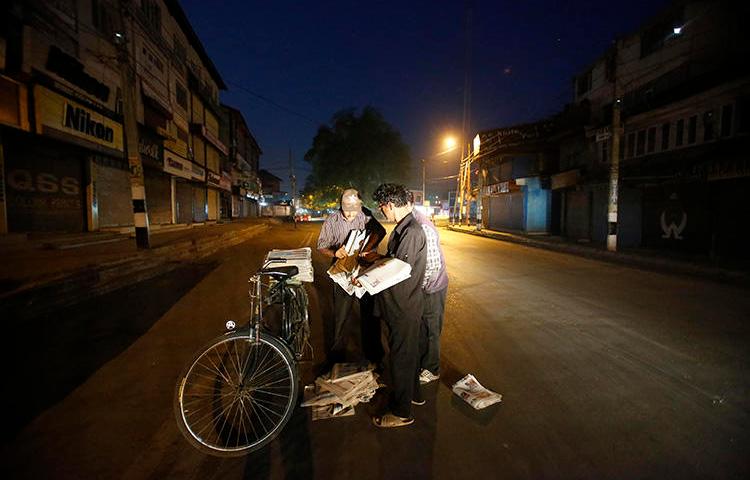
(407, 242)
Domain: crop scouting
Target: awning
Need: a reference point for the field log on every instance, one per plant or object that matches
(154, 100)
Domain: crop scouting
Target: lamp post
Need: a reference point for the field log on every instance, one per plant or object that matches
(449, 144)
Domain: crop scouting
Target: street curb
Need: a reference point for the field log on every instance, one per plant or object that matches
(44, 295)
(627, 259)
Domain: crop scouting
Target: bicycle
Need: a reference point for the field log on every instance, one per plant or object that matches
(239, 390)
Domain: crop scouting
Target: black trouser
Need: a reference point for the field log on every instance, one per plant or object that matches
(372, 347)
(403, 341)
(430, 328)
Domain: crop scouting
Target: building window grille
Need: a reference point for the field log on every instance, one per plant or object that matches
(665, 136)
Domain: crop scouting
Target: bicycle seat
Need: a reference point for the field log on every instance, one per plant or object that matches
(281, 273)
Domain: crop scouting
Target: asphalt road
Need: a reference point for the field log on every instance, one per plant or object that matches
(605, 372)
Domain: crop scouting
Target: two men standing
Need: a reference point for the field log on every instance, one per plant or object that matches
(412, 309)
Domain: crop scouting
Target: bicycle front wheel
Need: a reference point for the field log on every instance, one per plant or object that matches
(237, 394)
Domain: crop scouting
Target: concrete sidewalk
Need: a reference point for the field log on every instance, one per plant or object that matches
(41, 272)
(735, 272)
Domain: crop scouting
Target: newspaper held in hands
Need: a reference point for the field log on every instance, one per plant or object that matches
(474, 393)
(345, 268)
(383, 274)
(299, 257)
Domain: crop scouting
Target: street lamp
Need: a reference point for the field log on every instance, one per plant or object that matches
(449, 144)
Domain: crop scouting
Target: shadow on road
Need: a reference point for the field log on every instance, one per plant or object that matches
(53, 354)
(296, 452)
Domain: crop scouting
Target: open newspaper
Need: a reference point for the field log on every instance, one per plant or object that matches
(299, 257)
(383, 274)
(346, 268)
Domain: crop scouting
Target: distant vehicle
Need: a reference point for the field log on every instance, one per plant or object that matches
(304, 217)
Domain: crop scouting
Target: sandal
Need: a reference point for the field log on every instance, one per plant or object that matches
(390, 420)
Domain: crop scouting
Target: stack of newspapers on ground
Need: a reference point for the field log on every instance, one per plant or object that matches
(299, 257)
(382, 274)
(336, 393)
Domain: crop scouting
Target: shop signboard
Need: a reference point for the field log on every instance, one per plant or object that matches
(68, 120)
(182, 167)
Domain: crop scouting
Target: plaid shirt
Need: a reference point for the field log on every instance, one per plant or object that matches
(436, 275)
(433, 264)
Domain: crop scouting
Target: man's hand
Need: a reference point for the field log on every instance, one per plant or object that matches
(340, 253)
(370, 256)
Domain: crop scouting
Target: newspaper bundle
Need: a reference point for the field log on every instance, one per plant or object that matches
(474, 393)
(299, 257)
(336, 394)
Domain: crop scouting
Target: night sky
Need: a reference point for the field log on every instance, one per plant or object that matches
(405, 58)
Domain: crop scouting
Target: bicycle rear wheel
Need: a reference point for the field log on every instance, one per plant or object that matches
(237, 394)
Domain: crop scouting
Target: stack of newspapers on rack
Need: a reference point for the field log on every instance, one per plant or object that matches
(299, 257)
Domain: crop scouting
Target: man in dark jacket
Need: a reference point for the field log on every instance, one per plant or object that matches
(401, 305)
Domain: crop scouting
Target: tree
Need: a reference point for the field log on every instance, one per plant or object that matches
(356, 151)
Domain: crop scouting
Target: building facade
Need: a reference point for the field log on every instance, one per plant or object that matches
(62, 132)
(683, 82)
(244, 158)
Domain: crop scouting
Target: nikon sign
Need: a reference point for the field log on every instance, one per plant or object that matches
(68, 120)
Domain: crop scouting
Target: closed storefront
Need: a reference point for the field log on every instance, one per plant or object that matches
(44, 185)
(183, 201)
(212, 206)
(577, 215)
(200, 213)
(505, 211)
(158, 196)
(114, 197)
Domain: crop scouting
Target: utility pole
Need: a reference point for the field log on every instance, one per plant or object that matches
(130, 125)
(614, 167)
(424, 192)
(292, 181)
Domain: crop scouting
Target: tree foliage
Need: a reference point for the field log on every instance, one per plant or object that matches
(356, 151)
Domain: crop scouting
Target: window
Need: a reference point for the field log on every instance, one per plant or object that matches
(680, 133)
(182, 134)
(651, 140)
(665, 136)
(583, 83)
(692, 129)
(743, 115)
(631, 145)
(726, 120)
(151, 14)
(180, 52)
(708, 126)
(181, 95)
(102, 18)
(640, 143)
